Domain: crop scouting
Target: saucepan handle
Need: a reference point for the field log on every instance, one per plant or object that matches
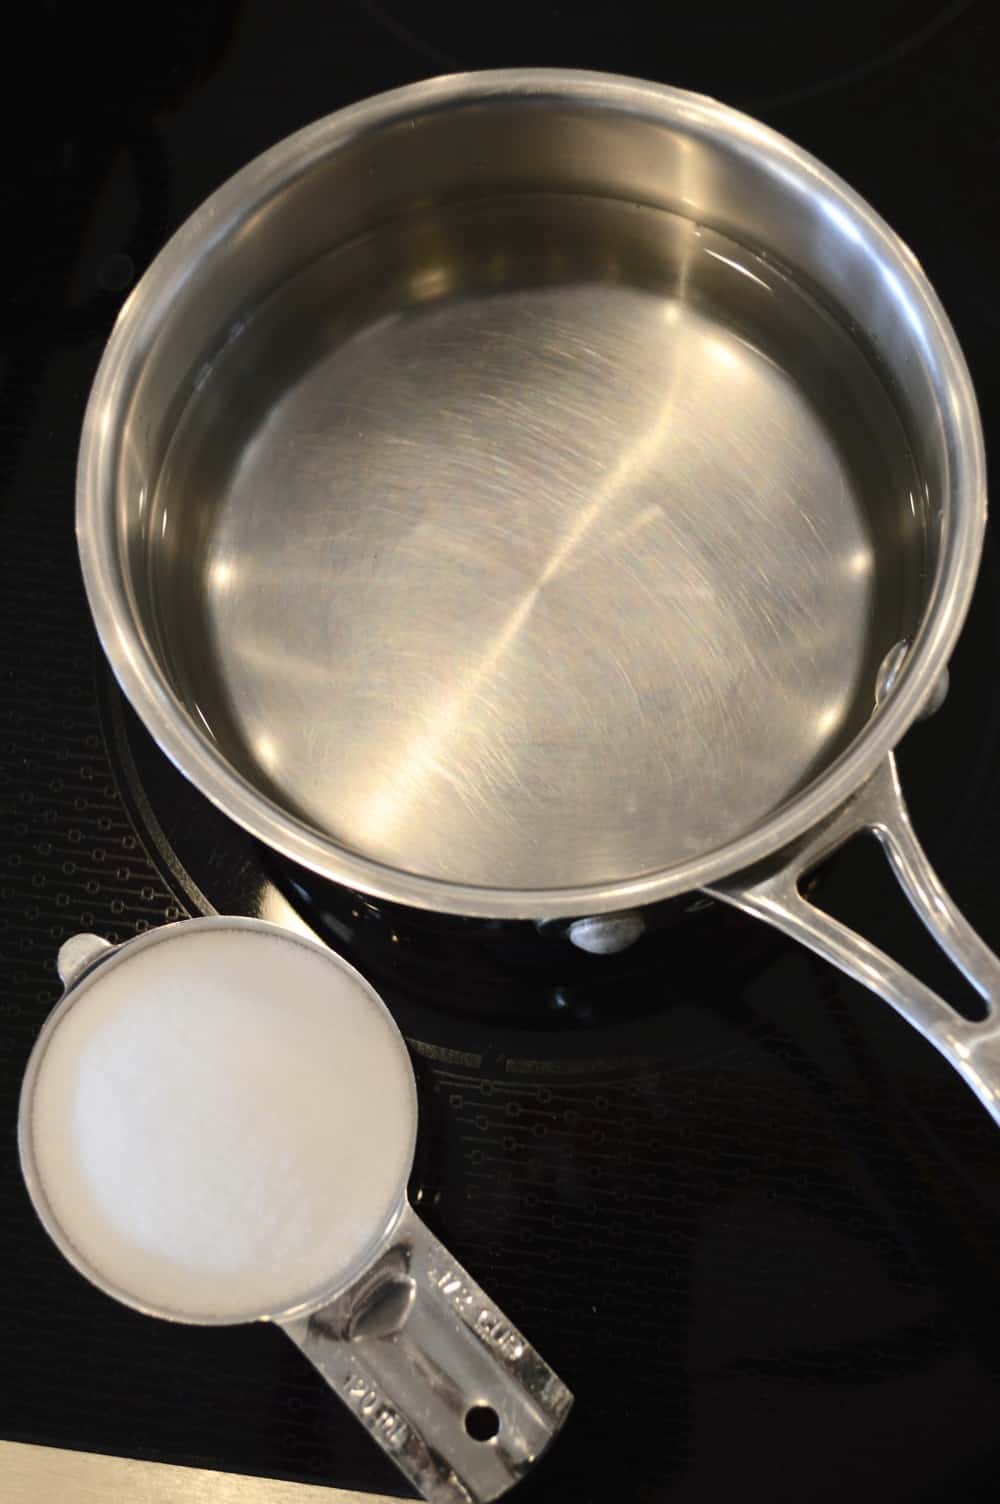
(773, 892)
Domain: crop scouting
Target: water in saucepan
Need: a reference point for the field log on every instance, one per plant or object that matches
(535, 542)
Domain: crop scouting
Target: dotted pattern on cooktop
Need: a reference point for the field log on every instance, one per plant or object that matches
(717, 1254)
(755, 1229)
(79, 1370)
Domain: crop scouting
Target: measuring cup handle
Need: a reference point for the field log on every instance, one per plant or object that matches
(772, 892)
(444, 1382)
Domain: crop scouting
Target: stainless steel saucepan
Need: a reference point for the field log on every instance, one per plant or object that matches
(537, 494)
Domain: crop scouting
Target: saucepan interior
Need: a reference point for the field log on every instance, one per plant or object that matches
(515, 488)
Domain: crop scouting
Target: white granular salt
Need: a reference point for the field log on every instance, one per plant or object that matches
(222, 1123)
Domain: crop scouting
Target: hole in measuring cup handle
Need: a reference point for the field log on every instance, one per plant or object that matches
(482, 1422)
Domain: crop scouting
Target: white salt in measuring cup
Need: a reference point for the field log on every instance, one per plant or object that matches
(444, 1382)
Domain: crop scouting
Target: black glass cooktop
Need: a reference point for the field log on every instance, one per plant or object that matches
(747, 1214)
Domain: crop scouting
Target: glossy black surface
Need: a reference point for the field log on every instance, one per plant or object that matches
(750, 1218)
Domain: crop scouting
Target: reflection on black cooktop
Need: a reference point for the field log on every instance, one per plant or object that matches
(746, 1213)
(774, 52)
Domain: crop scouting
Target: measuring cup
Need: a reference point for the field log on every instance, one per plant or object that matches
(444, 1382)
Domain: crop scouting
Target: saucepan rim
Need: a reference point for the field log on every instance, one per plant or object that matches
(147, 686)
